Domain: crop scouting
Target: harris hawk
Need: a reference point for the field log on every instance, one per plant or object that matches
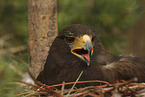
(77, 49)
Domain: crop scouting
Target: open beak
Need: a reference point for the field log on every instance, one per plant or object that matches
(83, 48)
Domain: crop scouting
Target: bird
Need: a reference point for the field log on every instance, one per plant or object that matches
(77, 48)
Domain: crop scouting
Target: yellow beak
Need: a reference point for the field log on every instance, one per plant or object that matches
(83, 48)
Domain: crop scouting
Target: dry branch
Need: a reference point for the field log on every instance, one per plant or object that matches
(13, 50)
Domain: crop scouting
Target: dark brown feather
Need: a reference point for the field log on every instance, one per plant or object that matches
(61, 65)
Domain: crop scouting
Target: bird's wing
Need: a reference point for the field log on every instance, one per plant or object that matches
(126, 68)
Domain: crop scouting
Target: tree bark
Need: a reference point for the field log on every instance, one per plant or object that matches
(42, 26)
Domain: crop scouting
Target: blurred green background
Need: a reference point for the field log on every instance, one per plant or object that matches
(117, 22)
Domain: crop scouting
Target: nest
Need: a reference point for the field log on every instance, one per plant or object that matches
(119, 89)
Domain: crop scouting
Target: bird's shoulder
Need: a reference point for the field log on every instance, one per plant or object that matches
(127, 66)
(126, 60)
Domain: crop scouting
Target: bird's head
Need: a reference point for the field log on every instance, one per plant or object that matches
(80, 40)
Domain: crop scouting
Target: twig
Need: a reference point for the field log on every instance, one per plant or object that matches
(27, 93)
(62, 88)
(48, 90)
(4, 38)
(20, 60)
(74, 84)
(80, 82)
(81, 94)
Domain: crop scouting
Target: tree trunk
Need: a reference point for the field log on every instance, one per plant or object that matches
(42, 25)
(136, 37)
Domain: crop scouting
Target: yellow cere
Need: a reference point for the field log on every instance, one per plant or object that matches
(86, 37)
(80, 41)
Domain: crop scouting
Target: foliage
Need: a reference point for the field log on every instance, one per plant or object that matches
(13, 33)
(114, 13)
(13, 17)
(10, 71)
(107, 17)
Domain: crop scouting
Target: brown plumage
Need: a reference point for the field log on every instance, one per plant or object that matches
(77, 49)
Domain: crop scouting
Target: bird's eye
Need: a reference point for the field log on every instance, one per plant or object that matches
(93, 38)
(69, 39)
